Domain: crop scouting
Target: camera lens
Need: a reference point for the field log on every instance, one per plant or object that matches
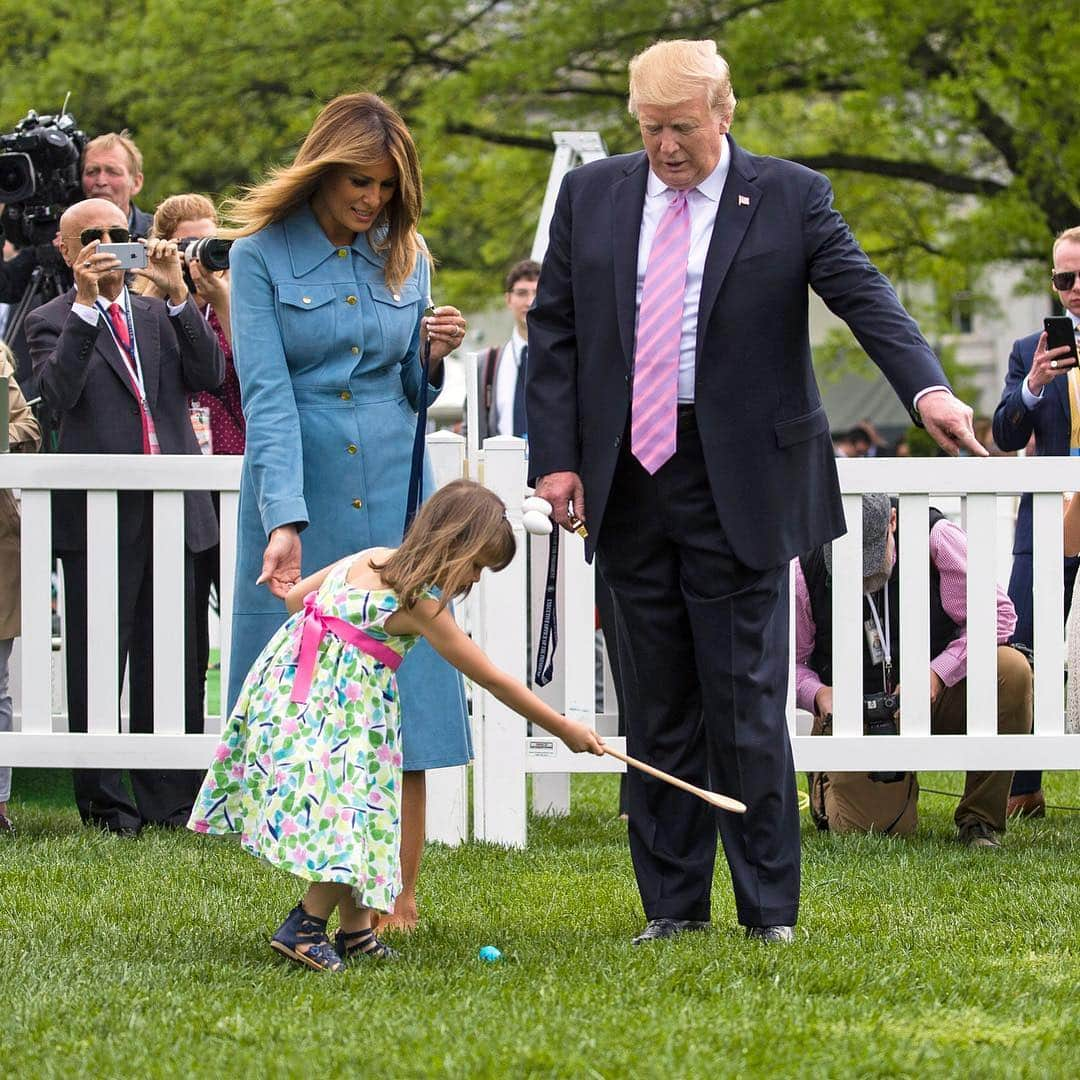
(211, 251)
(16, 178)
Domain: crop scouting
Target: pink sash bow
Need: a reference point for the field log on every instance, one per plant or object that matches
(317, 624)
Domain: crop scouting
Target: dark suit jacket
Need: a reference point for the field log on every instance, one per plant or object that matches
(764, 432)
(139, 222)
(82, 376)
(1014, 424)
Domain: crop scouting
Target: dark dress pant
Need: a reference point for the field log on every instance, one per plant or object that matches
(161, 796)
(207, 575)
(703, 650)
(1020, 582)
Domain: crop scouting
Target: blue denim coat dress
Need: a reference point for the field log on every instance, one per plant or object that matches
(329, 365)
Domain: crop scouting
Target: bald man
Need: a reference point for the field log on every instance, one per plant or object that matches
(116, 368)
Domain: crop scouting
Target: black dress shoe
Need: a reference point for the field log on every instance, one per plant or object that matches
(783, 934)
(658, 929)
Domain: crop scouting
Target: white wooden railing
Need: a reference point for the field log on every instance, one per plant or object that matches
(496, 615)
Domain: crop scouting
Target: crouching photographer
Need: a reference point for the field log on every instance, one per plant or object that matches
(887, 802)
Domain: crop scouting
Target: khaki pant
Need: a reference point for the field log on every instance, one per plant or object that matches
(852, 802)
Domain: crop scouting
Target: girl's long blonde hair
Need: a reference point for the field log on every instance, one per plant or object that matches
(352, 131)
(461, 528)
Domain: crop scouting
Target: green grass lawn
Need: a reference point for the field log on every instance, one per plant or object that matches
(913, 958)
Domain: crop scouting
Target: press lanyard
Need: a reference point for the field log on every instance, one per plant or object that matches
(549, 629)
(416, 473)
(130, 354)
(885, 637)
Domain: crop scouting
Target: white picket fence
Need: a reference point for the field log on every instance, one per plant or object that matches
(496, 615)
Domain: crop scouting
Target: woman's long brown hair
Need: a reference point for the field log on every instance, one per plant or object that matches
(460, 528)
(353, 131)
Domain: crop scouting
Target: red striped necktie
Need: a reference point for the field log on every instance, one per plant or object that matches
(659, 331)
(120, 328)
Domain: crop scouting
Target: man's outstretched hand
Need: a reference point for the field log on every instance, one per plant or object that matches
(949, 422)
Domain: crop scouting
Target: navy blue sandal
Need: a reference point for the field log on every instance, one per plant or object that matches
(363, 942)
(302, 929)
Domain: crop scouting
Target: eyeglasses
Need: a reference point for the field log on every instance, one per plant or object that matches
(1063, 280)
(117, 235)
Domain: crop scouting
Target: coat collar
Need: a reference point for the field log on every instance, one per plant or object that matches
(738, 204)
(309, 246)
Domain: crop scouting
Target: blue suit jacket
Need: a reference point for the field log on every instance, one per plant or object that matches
(763, 430)
(1014, 424)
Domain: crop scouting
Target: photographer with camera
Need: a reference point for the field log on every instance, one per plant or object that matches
(886, 802)
(216, 415)
(116, 368)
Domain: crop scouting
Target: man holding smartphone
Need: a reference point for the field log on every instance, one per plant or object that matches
(116, 369)
(1041, 399)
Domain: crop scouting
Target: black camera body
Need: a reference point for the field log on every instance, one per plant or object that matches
(39, 176)
(880, 712)
(211, 252)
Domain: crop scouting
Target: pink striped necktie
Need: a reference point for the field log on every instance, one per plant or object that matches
(659, 331)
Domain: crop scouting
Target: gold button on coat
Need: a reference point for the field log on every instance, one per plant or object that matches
(342, 252)
(350, 299)
(306, 299)
(355, 349)
(357, 504)
(351, 448)
(346, 396)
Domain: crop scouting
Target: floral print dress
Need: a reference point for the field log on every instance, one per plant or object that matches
(314, 786)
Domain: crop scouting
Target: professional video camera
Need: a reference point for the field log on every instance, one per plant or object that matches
(39, 176)
(211, 252)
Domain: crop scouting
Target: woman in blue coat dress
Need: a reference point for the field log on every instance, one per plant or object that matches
(329, 284)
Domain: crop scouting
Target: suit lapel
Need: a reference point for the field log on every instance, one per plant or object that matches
(109, 351)
(1060, 388)
(628, 207)
(738, 204)
(148, 340)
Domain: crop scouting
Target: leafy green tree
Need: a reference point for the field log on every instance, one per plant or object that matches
(947, 127)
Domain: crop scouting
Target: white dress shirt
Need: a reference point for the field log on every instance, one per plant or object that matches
(703, 202)
(506, 374)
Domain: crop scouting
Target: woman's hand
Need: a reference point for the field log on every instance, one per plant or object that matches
(281, 561)
(445, 330)
(211, 286)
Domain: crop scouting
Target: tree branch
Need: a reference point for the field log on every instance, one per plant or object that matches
(501, 138)
(919, 171)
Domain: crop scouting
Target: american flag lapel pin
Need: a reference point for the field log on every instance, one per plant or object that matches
(744, 200)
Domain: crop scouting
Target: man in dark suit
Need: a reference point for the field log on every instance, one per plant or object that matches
(116, 369)
(1036, 402)
(671, 394)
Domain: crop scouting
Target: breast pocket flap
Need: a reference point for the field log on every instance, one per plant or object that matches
(801, 428)
(406, 296)
(305, 297)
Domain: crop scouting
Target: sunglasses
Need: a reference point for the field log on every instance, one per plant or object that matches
(115, 235)
(1063, 280)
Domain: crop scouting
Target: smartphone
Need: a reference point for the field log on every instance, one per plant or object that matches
(132, 256)
(1060, 331)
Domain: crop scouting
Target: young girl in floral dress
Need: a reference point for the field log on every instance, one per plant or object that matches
(308, 770)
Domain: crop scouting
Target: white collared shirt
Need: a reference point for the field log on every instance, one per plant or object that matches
(703, 201)
(506, 383)
(89, 313)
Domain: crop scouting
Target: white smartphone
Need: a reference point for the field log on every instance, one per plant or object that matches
(132, 256)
